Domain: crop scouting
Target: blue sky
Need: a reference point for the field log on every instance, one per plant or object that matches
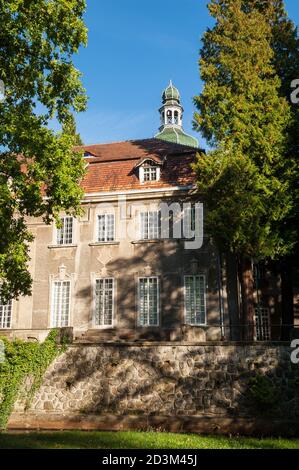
(135, 47)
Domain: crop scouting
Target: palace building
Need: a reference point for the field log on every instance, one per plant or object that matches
(111, 274)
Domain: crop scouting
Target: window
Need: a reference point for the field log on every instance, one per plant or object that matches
(150, 173)
(150, 224)
(5, 314)
(148, 301)
(259, 274)
(195, 302)
(64, 234)
(169, 117)
(60, 303)
(104, 296)
(106, 227)
(176, 117)
(189, 222)
(262, 324)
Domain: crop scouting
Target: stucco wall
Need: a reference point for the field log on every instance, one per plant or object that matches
(125, 260)
(172, 380)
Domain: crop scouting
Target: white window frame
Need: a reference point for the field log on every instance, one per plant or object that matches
(150, 173)
(141, 173)
(58, 231)
(6, 311)
(203, 276)
(58, 281)
(149, 227)
(139, 324)
(105, 215)
(95, 325)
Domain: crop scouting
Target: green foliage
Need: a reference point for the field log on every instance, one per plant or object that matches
(37, 41)
(263, 393)
(69, 127)
(22, 360)
(244, 204)
(242, 114)
(285, 44)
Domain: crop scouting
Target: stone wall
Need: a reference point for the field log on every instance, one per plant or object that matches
(179, 382)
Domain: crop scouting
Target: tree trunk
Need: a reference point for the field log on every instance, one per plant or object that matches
(247, 292)
(287, 299)
(233, 296)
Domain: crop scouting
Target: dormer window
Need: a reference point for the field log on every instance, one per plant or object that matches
(87, 154)
(149, 171)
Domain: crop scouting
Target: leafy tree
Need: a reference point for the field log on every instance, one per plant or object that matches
(70, 128)
(244, 118)
(39, 171)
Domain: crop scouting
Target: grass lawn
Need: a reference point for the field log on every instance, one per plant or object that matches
(135, 440)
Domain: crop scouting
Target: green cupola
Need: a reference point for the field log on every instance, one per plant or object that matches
(170, 93)
(171, 113)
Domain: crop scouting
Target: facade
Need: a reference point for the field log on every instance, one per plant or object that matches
(112, 274)
(109, 273)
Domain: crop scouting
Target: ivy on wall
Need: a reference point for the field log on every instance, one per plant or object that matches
(24, 360)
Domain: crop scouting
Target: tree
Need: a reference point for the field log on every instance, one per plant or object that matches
(70, 128)
(285, 45)
(244, 118)
(39, 171)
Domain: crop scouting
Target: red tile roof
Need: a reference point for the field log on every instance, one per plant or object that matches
(112, 168)
(133, 149)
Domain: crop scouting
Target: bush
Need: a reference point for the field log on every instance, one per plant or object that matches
(263, 393)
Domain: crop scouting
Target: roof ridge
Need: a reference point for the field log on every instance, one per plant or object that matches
(154, 139)
(114, 142)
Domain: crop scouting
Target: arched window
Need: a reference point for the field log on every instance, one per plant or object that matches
(169, 117)
(176, 117)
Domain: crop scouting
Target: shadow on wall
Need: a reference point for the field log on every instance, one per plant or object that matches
(174, 380)
(170, 261)
(250, 382)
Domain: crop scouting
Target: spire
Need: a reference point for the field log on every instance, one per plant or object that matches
(171, 113)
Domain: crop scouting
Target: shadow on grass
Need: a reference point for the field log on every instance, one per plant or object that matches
(135, 440)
